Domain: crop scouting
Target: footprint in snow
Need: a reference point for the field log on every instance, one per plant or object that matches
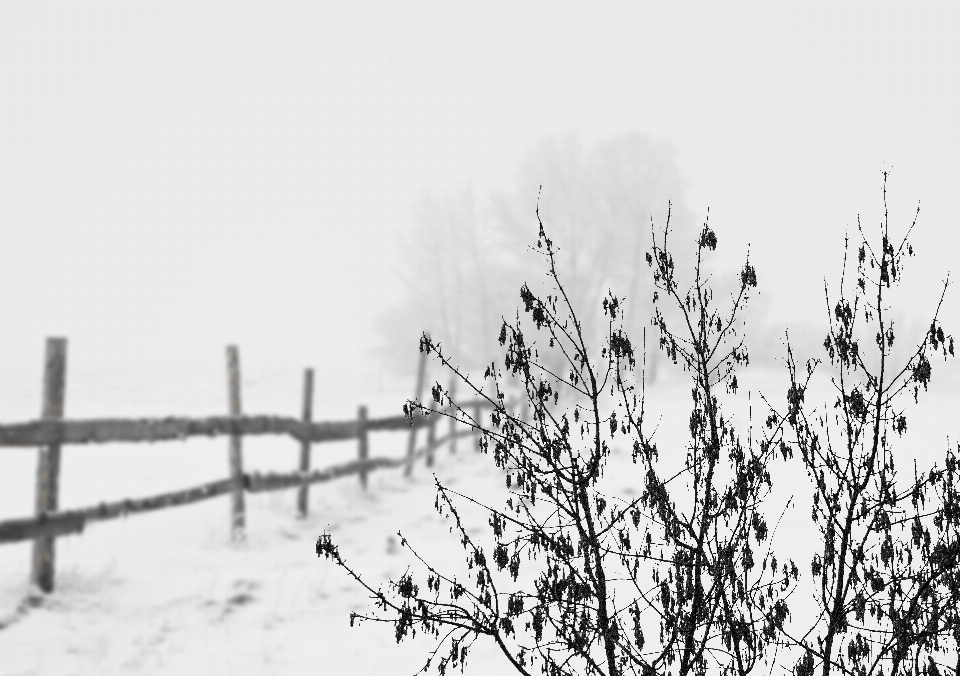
(243, 595)
(32, 600)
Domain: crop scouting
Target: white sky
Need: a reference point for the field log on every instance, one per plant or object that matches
(176, 176)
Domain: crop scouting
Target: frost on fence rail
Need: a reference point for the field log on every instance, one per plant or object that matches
(44, 432)
(105, 430)
(61, 523)
(73, 521)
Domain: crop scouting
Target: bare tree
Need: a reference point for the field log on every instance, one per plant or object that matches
(600, 202)
(666, 583)
(886, 582)
(445, 273)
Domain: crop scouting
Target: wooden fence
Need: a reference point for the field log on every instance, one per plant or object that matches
(51, 432)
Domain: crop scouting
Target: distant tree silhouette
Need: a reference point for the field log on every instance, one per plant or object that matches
(462, 264)
(600, 203)
(445, 268)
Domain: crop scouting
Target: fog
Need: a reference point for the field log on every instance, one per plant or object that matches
(180, 176)
(320, 182)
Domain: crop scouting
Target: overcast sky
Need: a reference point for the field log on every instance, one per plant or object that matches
(176, 176)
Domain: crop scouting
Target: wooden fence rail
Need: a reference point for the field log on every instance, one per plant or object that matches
(52, 432)
(73, 521)
(107, 430)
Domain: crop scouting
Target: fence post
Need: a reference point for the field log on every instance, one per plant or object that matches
(453, 414)
(362, 444)
(305, 445)
(476, 417)
(430, 438)
(238, 523)
(413, 431)
(48, 468)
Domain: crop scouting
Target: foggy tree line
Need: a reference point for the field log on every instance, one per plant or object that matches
(464, 260)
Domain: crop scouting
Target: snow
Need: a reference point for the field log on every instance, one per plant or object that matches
(167, 593)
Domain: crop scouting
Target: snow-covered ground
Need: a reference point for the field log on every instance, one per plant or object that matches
(166, 593)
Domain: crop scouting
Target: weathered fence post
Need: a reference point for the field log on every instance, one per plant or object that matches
(476, 416)
(48, 468)
(305, 444)
(453, 413)
(431, 435)
(238, 523)
(413, 431)
(524, 419)
(362, 444)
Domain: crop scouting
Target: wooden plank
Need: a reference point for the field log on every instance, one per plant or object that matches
(48, 468)
(453, 420)
(116, 430)
(274, 482)
(120, 430)
(74, 521)
(431, 440)
(362, 448)
(413, 431)
(40, 527)
(127, 430)
(476, 417)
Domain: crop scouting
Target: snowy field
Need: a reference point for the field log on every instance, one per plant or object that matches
(165, 592)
